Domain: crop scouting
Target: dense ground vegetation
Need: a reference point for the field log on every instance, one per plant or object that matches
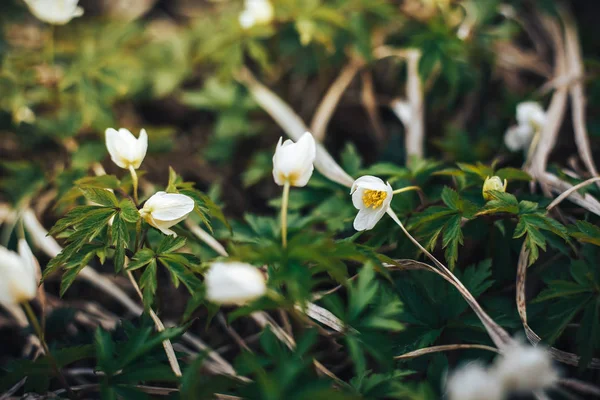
(481, 115)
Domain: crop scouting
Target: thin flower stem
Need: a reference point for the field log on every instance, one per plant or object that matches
(406, 189)
(284, 206)
(534, 143)
(35, 324)
(134, 179)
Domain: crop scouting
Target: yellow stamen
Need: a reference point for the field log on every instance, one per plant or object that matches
(373, 198)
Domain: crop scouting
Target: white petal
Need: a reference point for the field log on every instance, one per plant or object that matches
(369, 182)
(367, 218)
(357, 198)
(518, 137)
(246, 19)
(171, 206)
(234, 283)
(474, 382)
(531, 113)
(524, 368)
(113, 144)
(141, 147)
(18, 281)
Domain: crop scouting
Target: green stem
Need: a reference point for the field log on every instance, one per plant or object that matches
(284, 206)
(406, 189)
(534, 142)
(35, 324)
(134, 179)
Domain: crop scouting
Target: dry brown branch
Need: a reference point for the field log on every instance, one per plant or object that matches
(159, 327)
(369, 102)
(534, 338)
(576, 93)
(447, 347)
(413, 118)
(570, 191)
(331, 99)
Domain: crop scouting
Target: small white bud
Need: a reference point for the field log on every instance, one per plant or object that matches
(474, 382)
(234, 283)
(18, 275)
(55, 12)
(125, 150)
(371, 197)
(256, 12)
(531, 118)
(163, 210)
(293, 162)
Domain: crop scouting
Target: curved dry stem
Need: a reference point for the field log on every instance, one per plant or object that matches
(570, 191)
(159, 327)
(446, 347)
(328, 104)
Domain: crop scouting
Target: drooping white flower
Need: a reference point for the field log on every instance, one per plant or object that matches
(524, 368)
(234, 283)
(493, 183)
(55, 12)
(163, 210)
(125, 150)
(256, 12)
(293, 162)
(531, 118)
(18, 275)
(371, 197)
(474, 382)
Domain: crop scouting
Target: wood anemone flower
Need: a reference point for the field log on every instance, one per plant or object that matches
(163, 210)
(234, 283)
(293, 162)
(18, 275)
(55, 12)
(372, 197)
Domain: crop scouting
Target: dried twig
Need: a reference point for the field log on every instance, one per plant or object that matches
(447, 347)
(331, 99)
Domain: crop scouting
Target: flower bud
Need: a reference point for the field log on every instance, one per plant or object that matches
(524, 368)
(163, 210)
(18, 275)
(531, 118)
(55, 12)
(371, 197)
(531, 113)
(234, 283)
(125, 150)
(474, 382)
(293, 162)
(493, 183)
(256, 12)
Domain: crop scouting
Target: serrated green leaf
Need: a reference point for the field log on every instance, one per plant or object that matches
(104, 197)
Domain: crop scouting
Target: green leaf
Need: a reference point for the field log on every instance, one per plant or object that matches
(585, 232)
(451, 198)
(129, 212)
(102, 197)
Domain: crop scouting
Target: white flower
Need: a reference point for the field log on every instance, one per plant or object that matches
(256, 12)
(55, 12)
(531, 118)
(531, 113)
(18, 275)
(524, 368)
(493, 183)
(371, 197)
(163, 210)
(125, 150)
(234, 283)
(293, 162)
(474, 382)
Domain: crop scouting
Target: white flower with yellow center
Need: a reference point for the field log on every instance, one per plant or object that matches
(18, 275)
(125, 150)
(234, 283)
(256, 12)
(163, 210)
(493, 183)
(55, 12)
(371, 197)
(293, 162)
(531, 119)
